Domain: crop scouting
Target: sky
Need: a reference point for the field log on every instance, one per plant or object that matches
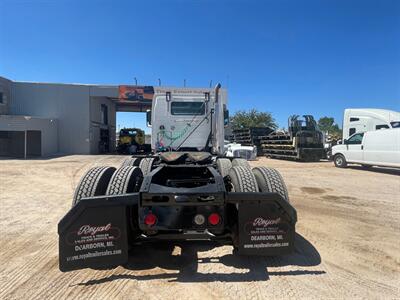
(286, 57)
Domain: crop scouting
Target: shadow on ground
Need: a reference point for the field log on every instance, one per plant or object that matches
(248, 268)
(389, 171)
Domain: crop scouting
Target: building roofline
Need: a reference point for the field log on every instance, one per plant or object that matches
(112, 85)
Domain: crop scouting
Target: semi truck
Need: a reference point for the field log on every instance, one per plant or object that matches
(185, 190)
(368, 119)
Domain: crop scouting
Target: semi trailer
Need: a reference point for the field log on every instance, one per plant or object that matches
(303, 141)
(186, 190)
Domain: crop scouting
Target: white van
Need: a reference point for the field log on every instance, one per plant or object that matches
(371, 148)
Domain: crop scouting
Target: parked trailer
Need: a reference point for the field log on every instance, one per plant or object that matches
(304, 141)
(251, 136)
(178, 194)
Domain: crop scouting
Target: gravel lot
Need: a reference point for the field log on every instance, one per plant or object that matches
(347, 243)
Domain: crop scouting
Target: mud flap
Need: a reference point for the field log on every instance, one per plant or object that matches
(94, 233)
(266, 223)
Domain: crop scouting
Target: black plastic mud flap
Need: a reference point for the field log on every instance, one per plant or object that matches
(93, 234)
(266, 223)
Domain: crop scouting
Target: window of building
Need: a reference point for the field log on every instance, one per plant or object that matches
(188, 108)
(354, 119)
(352, 131)
(377, 127)
(1, 98)
(104, 114)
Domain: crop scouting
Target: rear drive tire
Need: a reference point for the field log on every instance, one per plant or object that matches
(270, 180)
(124, 180)
(340, 161)
(243, 179)
(146, 165)
(223, 166)
(240, 162)
(93, 183)
(131, 161)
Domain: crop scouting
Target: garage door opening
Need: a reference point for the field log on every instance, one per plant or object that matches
(21, 144)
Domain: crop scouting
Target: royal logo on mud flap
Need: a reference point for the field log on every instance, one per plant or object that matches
(89, 234)
(261, 222)
(93, 230)
(261, 225)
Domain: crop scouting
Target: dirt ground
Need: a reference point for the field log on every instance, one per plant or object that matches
(348, 242)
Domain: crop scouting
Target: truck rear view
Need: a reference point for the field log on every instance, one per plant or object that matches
(185, 191)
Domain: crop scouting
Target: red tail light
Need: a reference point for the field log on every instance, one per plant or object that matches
(214, 219)
(150, 219)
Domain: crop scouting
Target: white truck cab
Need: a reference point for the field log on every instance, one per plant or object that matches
(368, 119)
(371, 148)
(237, 150)
(188, 119)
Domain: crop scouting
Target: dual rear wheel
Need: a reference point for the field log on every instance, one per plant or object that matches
(245, 179)
(100, 181)
(145, 163)
(259, 179)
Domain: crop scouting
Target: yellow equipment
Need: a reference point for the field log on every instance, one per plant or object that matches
(130, 137)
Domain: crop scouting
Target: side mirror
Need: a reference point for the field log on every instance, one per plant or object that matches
(148, 118)
(345, 141)
(226, 117)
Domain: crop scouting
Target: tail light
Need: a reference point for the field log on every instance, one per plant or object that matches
(214, 219)
(150, 219)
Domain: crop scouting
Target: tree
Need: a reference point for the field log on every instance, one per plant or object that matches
(252, 118)
(327, 124)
